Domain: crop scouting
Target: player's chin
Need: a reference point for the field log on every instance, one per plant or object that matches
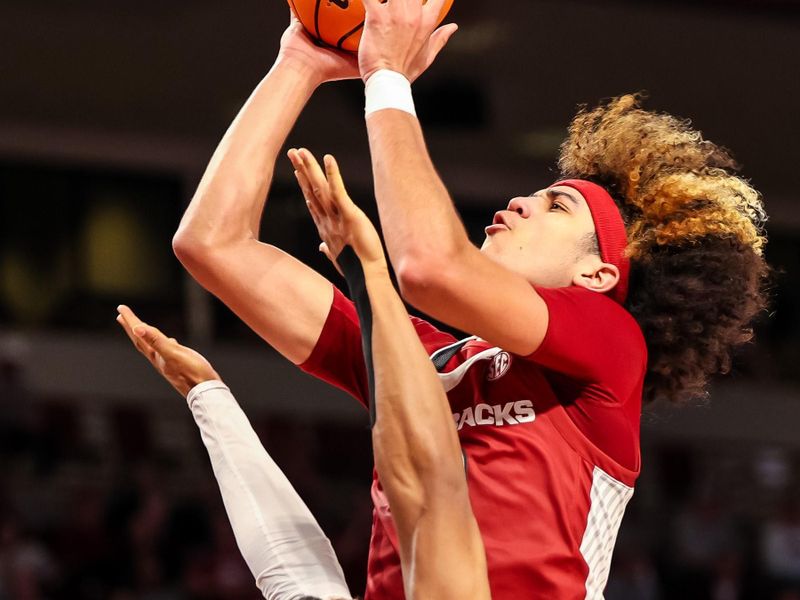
(491, 249)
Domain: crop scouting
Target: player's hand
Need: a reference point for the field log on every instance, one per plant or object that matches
(182, 367)
(401, 35)
(339, 221)
(324, 63)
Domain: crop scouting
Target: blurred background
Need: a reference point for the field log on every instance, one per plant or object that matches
(109, 112)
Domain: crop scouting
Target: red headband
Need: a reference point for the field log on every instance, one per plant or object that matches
(611, 235)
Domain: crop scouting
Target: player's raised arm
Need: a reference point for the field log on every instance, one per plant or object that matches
(427, 244)
(417, 452)
(277, 296)
(281, 542)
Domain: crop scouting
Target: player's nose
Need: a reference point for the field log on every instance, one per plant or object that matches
(521, 205)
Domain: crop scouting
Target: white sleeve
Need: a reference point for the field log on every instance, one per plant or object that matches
(280, 540)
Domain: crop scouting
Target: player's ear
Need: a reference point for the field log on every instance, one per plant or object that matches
(597, 276)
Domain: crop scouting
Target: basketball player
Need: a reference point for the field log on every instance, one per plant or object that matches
(631, 278)
(283, 545)
(419, 463)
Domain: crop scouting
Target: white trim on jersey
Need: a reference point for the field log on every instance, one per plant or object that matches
(454, 377)
(608, 499)
(444, 349)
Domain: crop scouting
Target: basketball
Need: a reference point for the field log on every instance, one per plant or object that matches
(337, 23)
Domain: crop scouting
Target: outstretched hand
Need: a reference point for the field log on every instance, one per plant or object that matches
(339, 221)
(402, 36)
(182, 367)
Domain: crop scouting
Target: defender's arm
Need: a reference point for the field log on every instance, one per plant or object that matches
(417, 452)
(418, 457)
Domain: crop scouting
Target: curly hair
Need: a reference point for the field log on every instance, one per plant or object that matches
(695, 232)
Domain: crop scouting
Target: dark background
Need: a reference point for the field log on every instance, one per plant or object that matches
(109, 112)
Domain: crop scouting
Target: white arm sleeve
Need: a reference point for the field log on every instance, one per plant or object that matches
(280, 540)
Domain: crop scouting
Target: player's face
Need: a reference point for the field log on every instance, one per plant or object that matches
(543, 237)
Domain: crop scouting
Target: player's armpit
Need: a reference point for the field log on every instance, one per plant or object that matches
(476, 295)
(281, 299)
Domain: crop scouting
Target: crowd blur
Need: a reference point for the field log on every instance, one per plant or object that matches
(108, 117)
(129, 519)
(133, 519)
(117, 499)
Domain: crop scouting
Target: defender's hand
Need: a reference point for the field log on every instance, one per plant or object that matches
(339, 221)
(182, 367)
(401, 35)
(324, 63)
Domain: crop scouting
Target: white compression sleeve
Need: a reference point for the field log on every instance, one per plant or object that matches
(281, 542)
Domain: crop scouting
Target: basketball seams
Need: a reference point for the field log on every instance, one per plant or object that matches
(337, 24)
(316, 19)
(347, 35)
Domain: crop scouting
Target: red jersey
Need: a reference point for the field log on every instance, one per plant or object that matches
(551, 442)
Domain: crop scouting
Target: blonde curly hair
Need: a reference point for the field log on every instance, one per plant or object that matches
(695, 232)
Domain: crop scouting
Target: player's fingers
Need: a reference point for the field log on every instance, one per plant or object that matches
(339, 196)
(128, 331)
(439, 39)
(311, 166)
(152, 337)
(138, 343)
(311, 199)
(157, 343)
(294, 156)
(314, 215)
(432, 9)
(132, 322)
(130, 317)
(126, 325)
(323, 247)
(317, 181)
(298, 164)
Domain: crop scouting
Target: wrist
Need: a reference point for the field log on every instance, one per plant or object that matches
(204, 386)
(375, 267)
(193, 383)
(367, 75)
(386, 89)
(301, 68)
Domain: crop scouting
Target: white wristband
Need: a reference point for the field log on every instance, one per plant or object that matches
(388, 89)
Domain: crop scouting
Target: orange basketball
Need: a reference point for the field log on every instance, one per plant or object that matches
(337, 23)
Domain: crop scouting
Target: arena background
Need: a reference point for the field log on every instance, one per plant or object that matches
(109, 112)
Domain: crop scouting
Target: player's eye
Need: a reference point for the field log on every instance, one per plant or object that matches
(557, 206)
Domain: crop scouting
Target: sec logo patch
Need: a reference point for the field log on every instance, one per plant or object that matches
(499, 366)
